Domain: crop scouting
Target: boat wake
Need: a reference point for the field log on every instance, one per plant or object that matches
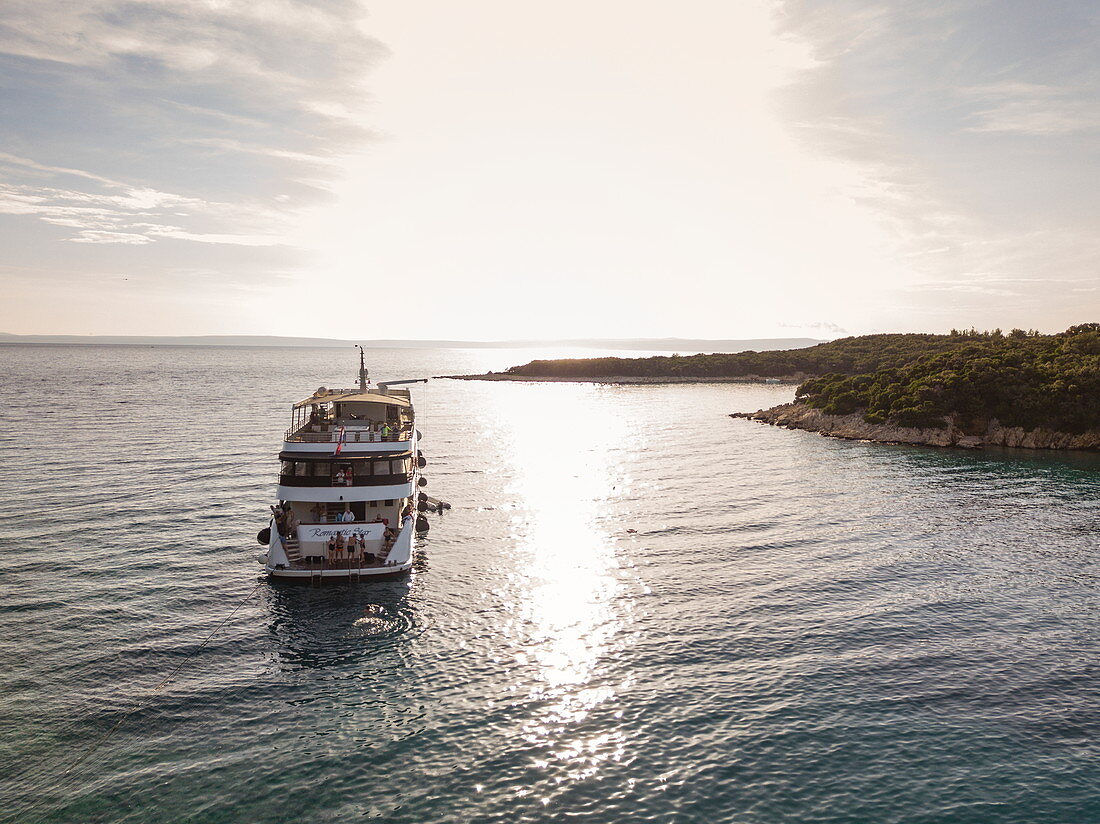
(379, 621)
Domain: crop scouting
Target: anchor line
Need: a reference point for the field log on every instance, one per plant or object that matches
(68, 774)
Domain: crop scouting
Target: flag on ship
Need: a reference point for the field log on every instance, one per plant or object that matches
(340, 437)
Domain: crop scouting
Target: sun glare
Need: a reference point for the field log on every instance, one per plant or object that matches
(571, 604)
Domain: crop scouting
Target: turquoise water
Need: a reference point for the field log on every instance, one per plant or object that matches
(638, 609)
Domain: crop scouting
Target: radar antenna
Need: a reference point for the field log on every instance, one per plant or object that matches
(363, 380)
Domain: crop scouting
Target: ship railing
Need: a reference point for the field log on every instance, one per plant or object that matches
(350, 436)
(361, 480)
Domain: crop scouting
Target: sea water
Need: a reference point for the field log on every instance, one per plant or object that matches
(638, 609)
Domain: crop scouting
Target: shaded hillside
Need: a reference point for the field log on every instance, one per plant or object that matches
(1031, 381)
(845, 356)
(1020, 379)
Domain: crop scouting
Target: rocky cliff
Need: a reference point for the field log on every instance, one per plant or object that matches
(853, 427)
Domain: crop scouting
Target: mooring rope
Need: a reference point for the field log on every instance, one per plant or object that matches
(69, 773)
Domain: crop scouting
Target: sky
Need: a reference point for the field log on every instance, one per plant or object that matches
(492, 169)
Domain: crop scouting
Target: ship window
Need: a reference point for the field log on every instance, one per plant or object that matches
(287, 468)
(380, 468)
(389, 503)
(301, 468)
(321, 469)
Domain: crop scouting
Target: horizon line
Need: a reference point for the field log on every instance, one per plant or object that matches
(285, 340)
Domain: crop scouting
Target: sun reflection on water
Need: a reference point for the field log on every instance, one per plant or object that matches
(568, 594)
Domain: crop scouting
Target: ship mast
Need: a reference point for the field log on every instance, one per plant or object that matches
(362, 370)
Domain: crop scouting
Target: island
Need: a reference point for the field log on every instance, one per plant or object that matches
(967, 388)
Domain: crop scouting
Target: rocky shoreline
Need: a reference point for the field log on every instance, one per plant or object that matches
(853, 427)
(625, 379)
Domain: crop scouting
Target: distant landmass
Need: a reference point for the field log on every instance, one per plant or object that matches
(967, 388)
(641, 344)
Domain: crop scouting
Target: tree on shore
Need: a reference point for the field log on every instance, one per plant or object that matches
(1022, 379)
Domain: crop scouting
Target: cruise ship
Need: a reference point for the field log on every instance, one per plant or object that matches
(349, 500)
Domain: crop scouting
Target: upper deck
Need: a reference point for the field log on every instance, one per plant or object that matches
(363, 420)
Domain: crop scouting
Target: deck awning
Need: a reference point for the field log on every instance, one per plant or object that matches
(353, 396)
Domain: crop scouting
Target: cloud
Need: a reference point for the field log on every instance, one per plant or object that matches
(116, 212)
(265, 42)
(237, 146)
(963, 126)
(178, 233)
(826, 327)
(203, 121)
(90, 236)
(1032, 109)
(12, 160)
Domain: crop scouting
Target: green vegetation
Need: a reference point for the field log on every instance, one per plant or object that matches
(1021, 379)
(1026, 380)
(845, 356)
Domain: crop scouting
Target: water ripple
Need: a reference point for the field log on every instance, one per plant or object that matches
(637, 609)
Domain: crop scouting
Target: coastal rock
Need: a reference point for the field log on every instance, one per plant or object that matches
(853, 427)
